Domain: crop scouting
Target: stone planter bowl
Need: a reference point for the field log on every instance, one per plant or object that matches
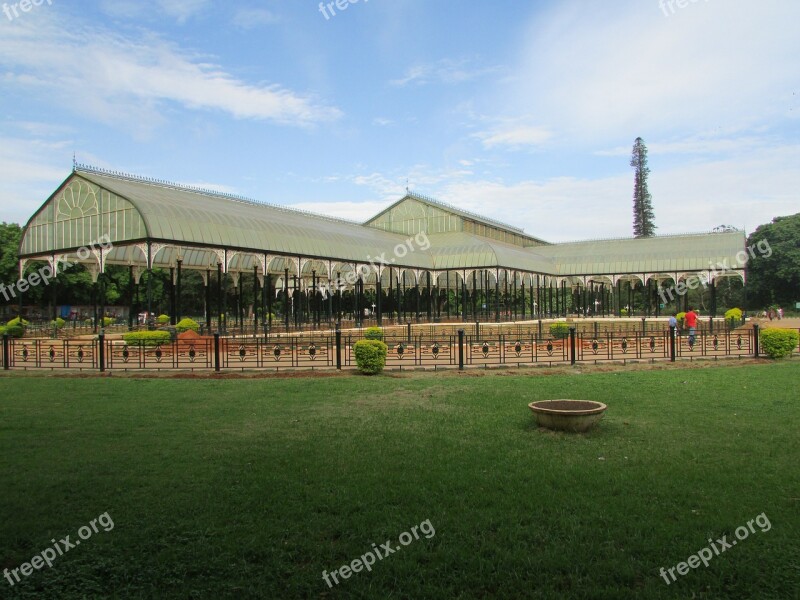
(568, 415)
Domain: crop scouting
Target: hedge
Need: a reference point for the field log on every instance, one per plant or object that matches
(147, 338)
(373, 333)
(186, 325)
(779, 343)
(370, 356)
(559, 331)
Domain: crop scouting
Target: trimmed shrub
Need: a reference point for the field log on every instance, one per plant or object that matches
(370, 356)
(373, 333)
(58, 323)
(15, 331)
(779, 343)
(734, 313)
(2, 330)
(623, 312)
(559, 331)
(187, 324)
(733, 317)
(15, 328)
(162, 319)
(108, 321)
(147, 338)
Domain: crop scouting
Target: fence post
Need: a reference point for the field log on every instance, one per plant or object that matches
(644, 326)
(755, 342)
(711, 324)
(102, 341)
(460, 349)
(6, 353)
(477, 330)
(672, 343)
(408, 327)
(216, 352)
(338, 347)
(572, 345)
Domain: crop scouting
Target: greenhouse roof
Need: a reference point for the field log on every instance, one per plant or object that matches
(197, 224)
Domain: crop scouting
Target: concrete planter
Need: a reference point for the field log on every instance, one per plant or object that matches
(568, 415)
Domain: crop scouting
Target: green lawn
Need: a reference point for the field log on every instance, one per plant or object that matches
(251, 488)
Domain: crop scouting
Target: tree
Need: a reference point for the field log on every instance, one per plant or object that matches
(773, 268)
(643, 217)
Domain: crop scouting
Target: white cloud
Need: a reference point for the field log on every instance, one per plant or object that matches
(609, 69)
(252, 18)
(446, 71)
(132, 82)
(183, 9)
(514, 136)
(180, 10)
(29, 171)
(352, 211)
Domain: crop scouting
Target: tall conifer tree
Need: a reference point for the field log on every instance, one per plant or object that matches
(643, 217)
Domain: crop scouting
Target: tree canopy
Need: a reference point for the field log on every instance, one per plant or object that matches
(773, 277)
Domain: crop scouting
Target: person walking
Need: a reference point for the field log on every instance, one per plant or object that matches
(691, 322)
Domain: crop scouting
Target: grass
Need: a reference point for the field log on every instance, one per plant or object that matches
(251, 488)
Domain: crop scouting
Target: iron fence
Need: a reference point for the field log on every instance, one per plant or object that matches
(312, 352)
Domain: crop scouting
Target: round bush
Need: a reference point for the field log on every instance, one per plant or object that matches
(370, 356)
(162, 319)
(187, 324)
(107, 321)
(733, 317)
(58, 323)
(17, 322)
(734, 313)
(779, 343)
(559, 331)
(373, 333)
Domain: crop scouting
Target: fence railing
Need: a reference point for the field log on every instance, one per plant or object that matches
(464, 350)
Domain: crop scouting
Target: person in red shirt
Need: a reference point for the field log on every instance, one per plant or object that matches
(691, 322)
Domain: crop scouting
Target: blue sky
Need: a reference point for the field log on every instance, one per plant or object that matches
(523, 111)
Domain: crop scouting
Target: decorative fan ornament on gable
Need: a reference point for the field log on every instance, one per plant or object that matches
(76, 202)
